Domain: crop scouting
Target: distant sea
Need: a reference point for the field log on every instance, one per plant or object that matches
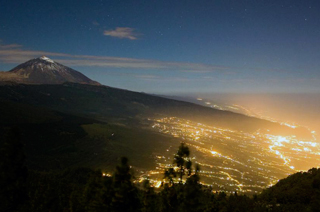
(301, 109)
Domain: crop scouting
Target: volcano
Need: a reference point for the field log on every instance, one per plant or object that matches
(44, 70)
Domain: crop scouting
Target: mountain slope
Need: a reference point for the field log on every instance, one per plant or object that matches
(110, 104)
(43, 70)
(54, 140)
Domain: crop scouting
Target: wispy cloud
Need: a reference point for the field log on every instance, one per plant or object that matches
(148, 77)
(156, 78)
(16, 54)
(10, 46)
(122, 33)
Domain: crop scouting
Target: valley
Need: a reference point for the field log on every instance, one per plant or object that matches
(235, 160)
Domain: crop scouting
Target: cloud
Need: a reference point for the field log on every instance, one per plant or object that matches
(156, 78)
(122, 33)
(148, 77)
(15, 54)
(10, 46)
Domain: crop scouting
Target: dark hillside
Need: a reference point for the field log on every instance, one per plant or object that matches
(56, 140)
(111, 104)
(298, 192)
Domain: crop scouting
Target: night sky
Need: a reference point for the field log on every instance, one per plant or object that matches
(171, 46)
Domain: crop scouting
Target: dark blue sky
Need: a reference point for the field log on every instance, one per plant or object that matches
(171, 46)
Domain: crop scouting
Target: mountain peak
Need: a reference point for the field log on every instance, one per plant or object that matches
(46, 59)
(43, 70)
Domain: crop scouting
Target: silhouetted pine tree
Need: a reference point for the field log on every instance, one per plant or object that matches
(168, 199)
(149, 197)
(193, 193)
(125, 196)
(169, 174)
(181, 162)
(93, 194)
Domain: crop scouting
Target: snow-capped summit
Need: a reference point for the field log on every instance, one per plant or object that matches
(46, 59)
(43, 70)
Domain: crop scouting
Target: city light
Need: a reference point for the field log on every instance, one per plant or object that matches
(234, 160)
